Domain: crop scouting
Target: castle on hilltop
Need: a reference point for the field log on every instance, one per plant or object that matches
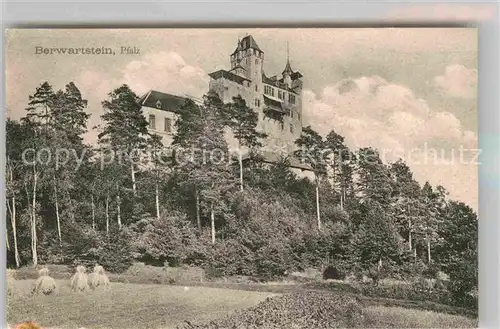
(277, 100)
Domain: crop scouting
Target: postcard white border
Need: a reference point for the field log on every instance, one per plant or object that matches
(42, 14)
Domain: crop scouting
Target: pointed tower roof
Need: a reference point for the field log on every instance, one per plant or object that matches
(238, 47)
(246, 43)
(288, 68)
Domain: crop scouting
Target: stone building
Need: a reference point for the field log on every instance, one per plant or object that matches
(160, 110)
(277, 100)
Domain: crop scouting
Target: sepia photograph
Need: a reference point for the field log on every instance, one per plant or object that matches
(234, 178)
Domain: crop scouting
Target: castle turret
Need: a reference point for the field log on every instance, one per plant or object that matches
(287, 74)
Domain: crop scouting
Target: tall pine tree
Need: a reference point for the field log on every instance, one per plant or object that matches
(243, 122)
(312, 152)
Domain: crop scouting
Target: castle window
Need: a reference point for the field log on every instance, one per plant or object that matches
(291, 98)
(291, 128)
(158, 105)
(168, 125)
(256, 61)
(256, 87)
(152, 123)
(267, 90)
(257, 102)
(281, 94)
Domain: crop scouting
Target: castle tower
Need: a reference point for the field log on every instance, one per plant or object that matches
(277, 100)
(247, 60)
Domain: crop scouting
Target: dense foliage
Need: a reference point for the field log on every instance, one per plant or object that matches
(104, 203)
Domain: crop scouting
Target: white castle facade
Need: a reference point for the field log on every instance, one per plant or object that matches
(278, 101)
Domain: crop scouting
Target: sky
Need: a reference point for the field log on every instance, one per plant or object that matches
(408, 92)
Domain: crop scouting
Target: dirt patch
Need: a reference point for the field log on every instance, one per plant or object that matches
(297, 310)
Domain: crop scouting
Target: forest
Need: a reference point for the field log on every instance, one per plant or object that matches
(129, 198)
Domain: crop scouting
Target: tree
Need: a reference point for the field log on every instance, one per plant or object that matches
(68, 121)
(374, 181)
(125, 128)
(434, 205)
(207, 168)
(39, 105)
(312, 152)
(347, 167)
(36, 122)
(170, 239)
(243, 122)
(159, 167)
(340, 165)
(407, 202)
(68, 116)
(376, 238)
(458, 251)
(188, 126)
(14, 133)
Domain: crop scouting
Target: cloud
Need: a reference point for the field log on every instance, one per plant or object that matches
(380, 110)
(458, 81)
(372, 112)
(164, 71)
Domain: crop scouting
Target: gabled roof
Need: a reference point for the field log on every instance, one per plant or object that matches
(295, 75)
(237, 67)
(162, 101)
(246, 43)
(277, 83)
(228, 75)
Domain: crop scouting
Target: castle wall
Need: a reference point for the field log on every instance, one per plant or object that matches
(160, 116)
(303, 173)
(227, 89)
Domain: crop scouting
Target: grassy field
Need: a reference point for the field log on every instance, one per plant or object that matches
(398, 317)
(131, 305)
(126, 306)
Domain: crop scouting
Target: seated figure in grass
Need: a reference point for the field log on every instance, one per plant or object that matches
(79, 280)
(44, 284)
(98, 278)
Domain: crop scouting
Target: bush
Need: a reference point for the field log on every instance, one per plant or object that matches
(416, 293)
(172, 239)
(112, 251)
(375, 274)
(463, 278)
(146, 273)
(213, 272)
(334, 273)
